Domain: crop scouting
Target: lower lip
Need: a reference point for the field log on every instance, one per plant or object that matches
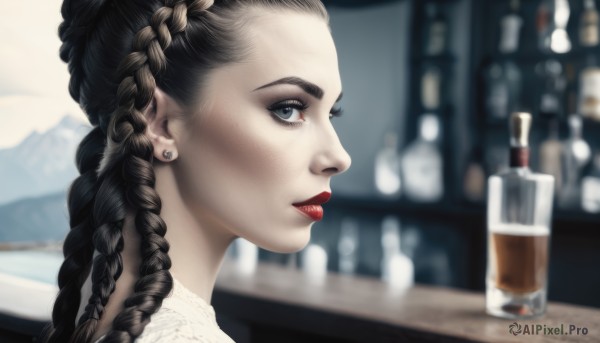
(314, 212)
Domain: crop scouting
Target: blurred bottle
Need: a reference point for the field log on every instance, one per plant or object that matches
(314, 262)
(431, 87)
(503, 89)
(551, 22)
(348, 246)
(589, 25)
(589, 89)
(387, 167)
(543, 24)
(247, 256)
(560, 39)
(590, 187)
(575, 156)
(553, 84)
(510, 27)
(396, 268)
(550, 154)
(474, 178)
(422, 165)
(436, 30)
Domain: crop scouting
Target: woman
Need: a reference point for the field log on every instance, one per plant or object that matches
(211, 118)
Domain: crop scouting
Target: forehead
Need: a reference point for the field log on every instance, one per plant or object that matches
(286, 43)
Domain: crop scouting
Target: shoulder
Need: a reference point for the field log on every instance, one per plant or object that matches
(178, 324)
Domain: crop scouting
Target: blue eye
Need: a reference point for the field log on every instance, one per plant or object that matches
(288, 112)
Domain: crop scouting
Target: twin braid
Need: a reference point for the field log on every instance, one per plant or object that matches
(77, 247)
(127, 178)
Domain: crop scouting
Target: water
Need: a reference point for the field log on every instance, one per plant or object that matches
(40, 266)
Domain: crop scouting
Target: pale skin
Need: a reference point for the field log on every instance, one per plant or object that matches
(236, 169)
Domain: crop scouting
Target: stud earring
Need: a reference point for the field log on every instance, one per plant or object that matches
(168, 155)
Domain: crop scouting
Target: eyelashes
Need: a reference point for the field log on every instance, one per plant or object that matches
(288, 112)
(336, 112)
(291, 112)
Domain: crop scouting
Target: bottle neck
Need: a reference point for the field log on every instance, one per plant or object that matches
(519, 157)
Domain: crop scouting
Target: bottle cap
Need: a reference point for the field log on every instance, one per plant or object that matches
(520, 124)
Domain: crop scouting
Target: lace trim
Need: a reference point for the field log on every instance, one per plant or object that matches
(183, 317)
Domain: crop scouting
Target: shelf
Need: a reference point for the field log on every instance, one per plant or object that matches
(440, 210)
(443, 59)
(564, 220)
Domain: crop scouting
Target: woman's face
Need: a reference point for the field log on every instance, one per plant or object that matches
(263, 139)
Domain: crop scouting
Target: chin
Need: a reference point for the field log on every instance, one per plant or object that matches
(287, 242)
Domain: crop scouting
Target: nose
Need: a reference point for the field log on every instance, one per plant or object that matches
(331, 158)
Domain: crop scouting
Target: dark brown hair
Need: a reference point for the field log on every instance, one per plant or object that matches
(117, 53)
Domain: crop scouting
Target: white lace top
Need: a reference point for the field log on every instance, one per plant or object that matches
(183, 317)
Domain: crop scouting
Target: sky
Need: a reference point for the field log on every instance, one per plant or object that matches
(33, 80)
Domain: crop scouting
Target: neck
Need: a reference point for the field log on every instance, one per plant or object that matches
(197, 245)
(519, 157)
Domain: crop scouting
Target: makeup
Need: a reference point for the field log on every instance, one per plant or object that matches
(312, 207)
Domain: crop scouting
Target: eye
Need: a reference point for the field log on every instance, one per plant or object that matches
(288, 112)
(336, 112)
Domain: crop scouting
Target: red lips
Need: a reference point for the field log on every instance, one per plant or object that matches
(312, 207)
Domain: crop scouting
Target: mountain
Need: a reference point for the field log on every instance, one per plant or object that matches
(42, 163)
(39, 219)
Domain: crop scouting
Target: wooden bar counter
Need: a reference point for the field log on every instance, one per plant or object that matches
(278, 304)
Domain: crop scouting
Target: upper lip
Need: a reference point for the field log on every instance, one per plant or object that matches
(318, 199)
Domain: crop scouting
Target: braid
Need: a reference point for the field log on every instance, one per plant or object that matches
(108, 264)
(77, 247)
(130, 151)
(79, 17)
(117, 175)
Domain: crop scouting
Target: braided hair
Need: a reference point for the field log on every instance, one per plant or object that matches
(118, 52)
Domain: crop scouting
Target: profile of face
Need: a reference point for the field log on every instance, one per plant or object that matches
(263, 138)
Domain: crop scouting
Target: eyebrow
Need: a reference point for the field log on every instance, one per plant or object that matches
(308, 87)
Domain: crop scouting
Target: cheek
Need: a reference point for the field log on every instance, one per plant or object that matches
(243, 169)
(243, 151)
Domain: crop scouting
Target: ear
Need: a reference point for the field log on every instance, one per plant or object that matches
(158, 131)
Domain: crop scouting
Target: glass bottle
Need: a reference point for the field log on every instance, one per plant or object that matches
(503, 89)
(553, 85)
(348, 246)
(387, 167)
(314, 262)
(550, 154)
(474, 177)
(589, 89)
(543, 25)
(396, 267)
(576, 154)
(519, 215)
(247, 256)
(560, 41)
(431, 87)
(551, 22)
(510, 26)
(589, 24)
(590, 188)
(422, 165)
